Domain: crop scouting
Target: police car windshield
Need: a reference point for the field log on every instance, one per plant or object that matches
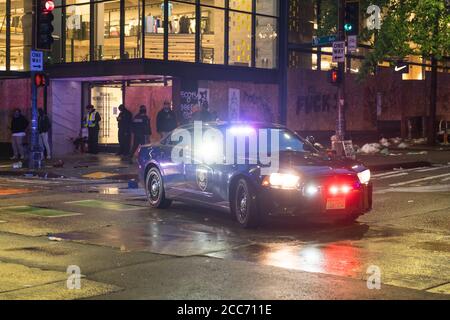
(291, 142)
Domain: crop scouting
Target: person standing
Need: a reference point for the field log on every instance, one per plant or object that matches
(43, 128)
(19, 125)
(166, 120)
(202, 115)
(124, 121)
(92, 123)
(141, 129)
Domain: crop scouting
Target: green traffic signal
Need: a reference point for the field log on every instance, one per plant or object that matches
(348, 27)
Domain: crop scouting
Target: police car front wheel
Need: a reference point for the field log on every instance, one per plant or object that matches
(244, 204)
(154, 188)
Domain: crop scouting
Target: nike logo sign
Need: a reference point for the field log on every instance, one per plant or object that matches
(400, 68)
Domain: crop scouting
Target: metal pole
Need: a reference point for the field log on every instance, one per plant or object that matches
(340, 125)
(35, 150)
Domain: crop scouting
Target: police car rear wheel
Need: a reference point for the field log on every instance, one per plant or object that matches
(154, 188)
(244, 205)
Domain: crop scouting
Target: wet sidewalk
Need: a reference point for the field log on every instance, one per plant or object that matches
(80, 166)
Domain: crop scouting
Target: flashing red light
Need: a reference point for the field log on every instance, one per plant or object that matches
(49, 6)
(39, 80)
(334, 190)
(334, 76)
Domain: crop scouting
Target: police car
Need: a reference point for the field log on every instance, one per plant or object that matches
(253, 170)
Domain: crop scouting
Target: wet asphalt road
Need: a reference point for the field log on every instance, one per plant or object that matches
(124, 249)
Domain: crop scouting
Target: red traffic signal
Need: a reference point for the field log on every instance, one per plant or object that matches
(40, 80)
(49, 6)
(44, 26)
(334, 76)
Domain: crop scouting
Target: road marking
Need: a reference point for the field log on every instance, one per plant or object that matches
(396, 171)
(431, 169)
(392, 176)
(38, 211)
(419, 180)
(419, 189)
(106, 205)
(445, 179)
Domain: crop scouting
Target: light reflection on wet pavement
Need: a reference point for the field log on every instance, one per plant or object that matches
(409, 258)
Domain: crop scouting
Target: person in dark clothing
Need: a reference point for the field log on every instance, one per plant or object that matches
(141, 129)
(92, 123)
(43, 128)
(124, 120)
(166, 121)
(203, 114)
(19, 124)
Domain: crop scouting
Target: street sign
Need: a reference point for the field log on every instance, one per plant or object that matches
(352, 43)
(338, 51)
(36, 60)
(319, 41)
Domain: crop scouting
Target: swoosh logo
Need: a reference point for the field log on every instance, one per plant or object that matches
(400, 68)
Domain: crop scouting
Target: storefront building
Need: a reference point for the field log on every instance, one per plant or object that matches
(248, 59)
(145, 52)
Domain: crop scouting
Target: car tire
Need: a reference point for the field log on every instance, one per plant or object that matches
(154, 188)
(244, 204)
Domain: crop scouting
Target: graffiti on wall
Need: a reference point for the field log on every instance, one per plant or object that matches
(314, 101)
(256, 107)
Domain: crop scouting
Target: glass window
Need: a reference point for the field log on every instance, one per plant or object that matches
(240, 40)
(212, 35)
(107, 31)
(215, 3)
(182, 32)
(302, 21)
(154, 29)
(269, 7)
(266, 42)
(21, 41)
(56, 55)
(241, 5)
(77, 31)
(2, 34)
(133, 29)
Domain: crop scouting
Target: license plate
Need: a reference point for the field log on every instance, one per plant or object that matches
(335, 203)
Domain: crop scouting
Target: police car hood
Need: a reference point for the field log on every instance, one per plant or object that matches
(310, 164)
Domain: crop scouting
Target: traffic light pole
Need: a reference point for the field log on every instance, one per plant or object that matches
(340, 123)
(35, 151)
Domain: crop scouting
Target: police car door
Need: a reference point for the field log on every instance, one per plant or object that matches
(199, 175)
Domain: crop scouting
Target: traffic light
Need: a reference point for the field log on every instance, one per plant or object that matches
(40, 79)
(334, 76)
(351, 20)
(44, 27)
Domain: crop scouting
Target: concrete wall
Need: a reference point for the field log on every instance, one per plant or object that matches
(65, 113)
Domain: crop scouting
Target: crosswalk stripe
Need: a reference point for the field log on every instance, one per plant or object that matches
(392, 176)
(431, 169)
(419, 180)
(395, 172)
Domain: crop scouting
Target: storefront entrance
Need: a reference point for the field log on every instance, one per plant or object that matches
(107, 96)
(106, 99)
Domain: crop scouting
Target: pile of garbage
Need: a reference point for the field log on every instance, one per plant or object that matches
(384, 144)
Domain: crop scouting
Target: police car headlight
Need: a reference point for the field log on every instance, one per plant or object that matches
(282, 181)
(364, 176)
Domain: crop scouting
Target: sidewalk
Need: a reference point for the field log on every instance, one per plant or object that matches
(111, 167)
(80, 166)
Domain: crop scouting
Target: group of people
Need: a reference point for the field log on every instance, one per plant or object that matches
(19, 125)
(133, 130)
